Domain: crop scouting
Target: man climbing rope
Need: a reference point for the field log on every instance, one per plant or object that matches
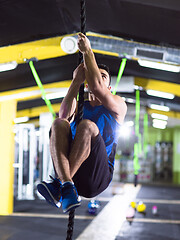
(83, 155)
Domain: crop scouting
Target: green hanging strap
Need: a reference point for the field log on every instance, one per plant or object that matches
(38, 81)
(137, 146)
(120, 73)
(145, 134)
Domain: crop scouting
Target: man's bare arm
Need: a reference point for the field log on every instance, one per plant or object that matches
(68, 105)
(95, 81)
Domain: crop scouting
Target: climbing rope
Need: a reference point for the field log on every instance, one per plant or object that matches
(137, 145)
(80, 110)
(70, 224)
(81, 90)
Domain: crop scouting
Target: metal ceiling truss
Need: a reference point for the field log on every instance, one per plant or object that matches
(134, 50)
(102, 44)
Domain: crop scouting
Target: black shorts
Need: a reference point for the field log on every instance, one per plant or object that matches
(95, 174)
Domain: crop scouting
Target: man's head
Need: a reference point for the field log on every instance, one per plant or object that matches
(105, 72)
(106, 76)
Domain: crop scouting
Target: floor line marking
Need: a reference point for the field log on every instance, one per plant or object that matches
(101, 199)
(162, 201)
(108, 222)
(44, 215)
(151, 220)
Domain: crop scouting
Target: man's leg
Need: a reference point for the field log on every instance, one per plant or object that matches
(66, 164)
(66, 159)
(59, 147)
(86, 132)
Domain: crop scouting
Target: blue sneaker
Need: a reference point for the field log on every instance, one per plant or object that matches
(70, 197)
(51, 192)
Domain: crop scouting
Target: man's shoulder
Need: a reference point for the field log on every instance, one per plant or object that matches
(121, 109)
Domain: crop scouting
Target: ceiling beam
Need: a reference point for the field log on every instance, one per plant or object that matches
(42, 49)
(158, 85)
(33, 92)
(36, 111)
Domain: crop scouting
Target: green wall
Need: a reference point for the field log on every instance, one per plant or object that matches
(176, 155)
(159, 135)
(168, 135)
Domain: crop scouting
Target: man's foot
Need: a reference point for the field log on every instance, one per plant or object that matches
(70, 198)
(51, 192)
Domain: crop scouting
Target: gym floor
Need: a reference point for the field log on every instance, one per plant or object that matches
(38, 221)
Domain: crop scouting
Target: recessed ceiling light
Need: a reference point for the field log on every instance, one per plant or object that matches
(21, 120)
(159, 107)
(156, 125)
(161, 122)
(160, 94)
(8, 66)
(159, 66)
(159, 116)
(56, 95)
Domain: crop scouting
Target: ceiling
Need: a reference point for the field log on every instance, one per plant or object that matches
(153, 22)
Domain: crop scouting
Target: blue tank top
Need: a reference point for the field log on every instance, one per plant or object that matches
(108, 127)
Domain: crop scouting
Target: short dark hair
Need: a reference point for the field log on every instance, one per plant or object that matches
(103, 66)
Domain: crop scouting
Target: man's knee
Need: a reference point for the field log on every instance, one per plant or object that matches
(87, 126)
(60, 124)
